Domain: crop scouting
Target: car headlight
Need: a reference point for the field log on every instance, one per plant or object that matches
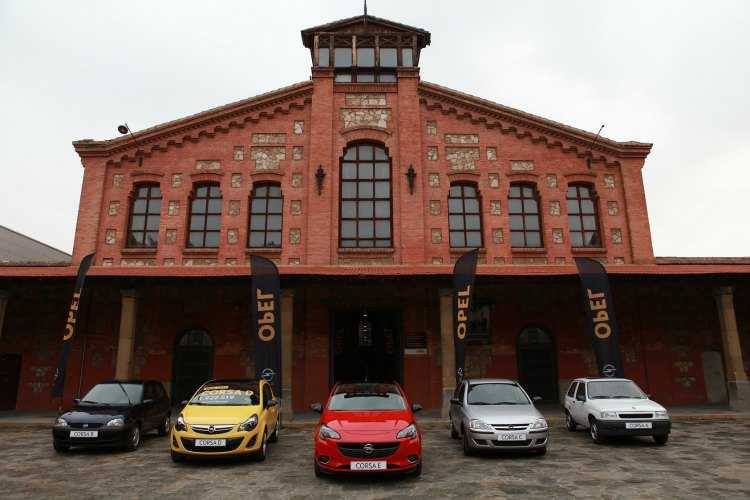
(328, 433)
(249, 424)
(480, 426)
(410, 431)
(661, 414)
(609, 414)
(540, 424)
(116, 422)
(180, 425)
(61, 422)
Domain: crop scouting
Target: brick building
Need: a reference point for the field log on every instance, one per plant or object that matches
(364, 184)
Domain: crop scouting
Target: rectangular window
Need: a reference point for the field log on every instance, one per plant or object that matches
(143, 230)
(464, 217)
(388, 58)
(406, 57)
(523, 210)
(265, 217)
(324, 56)
(342, 57)
(365, 57)
(205, 217)
(343, 77)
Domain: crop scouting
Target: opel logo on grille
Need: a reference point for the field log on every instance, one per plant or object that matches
(85, 426)
(210, 429)
(368, 449)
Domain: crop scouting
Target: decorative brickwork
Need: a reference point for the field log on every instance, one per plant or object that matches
(557, 235)
(233, 236)
(491, 153)
(497, 236)
(207, 165)
(521, 165)
(494, 180)
(496, 207)
(437, 260)
(269, 138)
(170, 236)
(295, 261)
(297, 152)
(554, 208)
(239, 153)
(234, 207)
(462, 158)
(117, 180)
(296, 207)
(173, 208)
(296, 180)
(461, 139)
(498, 260)
(431, 128)
(433, 179)
(434, 207)
(299, 127)
(236, 180)
(436, 235)
(365, 117)
(559, 260)
(176, 180)
(432, 153)
(267, 157)
(114, 207)
(137, 262)
(616, 236)
(364, 100)
(613, 208)
(295, 236)
(552, 180)
(110, 237)
(609, 181)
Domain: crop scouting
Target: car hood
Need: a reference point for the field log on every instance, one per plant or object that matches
(361, 424)
(504, 414)
(204, 414)
(95, 414)
(629, 405)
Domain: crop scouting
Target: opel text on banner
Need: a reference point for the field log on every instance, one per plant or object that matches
(266, 306)
(463, 291)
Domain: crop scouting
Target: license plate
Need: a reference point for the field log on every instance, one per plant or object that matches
(369, 465)
(637, 425)
(209, 443)
(84, 434)
(512, 436)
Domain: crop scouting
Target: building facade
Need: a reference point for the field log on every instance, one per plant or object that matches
(365, 184)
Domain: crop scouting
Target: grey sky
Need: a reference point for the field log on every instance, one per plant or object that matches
(673, 73)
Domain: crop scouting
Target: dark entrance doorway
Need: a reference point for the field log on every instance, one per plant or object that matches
(537, 364)
(193, 363)
(10, 374)
(366, 346)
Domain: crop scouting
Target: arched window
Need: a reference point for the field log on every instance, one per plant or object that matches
(464, 216)
(265, 217)
(205, 217)
(525, 223)
(365, 197)
(143, 223)
(583, 219)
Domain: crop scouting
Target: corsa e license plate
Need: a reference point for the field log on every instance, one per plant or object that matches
(208, 443)
(369, 465)
(84, 434)
(637, 425)
(511, 436)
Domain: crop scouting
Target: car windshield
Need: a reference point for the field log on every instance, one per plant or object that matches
(615, 389)
(496, 394)
(113, 394)
(227, 394)
(357, 397)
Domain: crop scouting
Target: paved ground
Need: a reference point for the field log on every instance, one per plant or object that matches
(702, 460)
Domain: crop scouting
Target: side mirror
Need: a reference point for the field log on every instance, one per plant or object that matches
(416, 407)
(536, 398)
(271, 402)
(316, 407)
(76, 401)
(456, 401)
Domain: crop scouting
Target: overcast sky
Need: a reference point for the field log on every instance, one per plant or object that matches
(672, 73)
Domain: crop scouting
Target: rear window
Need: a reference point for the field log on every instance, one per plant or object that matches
(227, 394)
(362, 397)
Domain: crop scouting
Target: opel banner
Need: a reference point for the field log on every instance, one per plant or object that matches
(463, 292)
(266, 327)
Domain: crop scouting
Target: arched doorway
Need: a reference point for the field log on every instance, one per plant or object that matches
(193, 363)
(537, 363)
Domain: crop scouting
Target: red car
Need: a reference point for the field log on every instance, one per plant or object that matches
(367, 427)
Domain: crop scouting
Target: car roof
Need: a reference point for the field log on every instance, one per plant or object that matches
(601, 379)
(234, 381)
(490, 381)
(136, 381)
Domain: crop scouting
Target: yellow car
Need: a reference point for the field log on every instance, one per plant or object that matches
(227, 418)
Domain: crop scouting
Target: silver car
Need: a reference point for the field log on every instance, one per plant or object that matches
(497, 414)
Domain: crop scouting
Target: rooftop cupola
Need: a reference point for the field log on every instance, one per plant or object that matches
(365, 49)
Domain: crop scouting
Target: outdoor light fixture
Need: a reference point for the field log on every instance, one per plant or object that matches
(364, 331)
(319, 176)
(125, 129)
(411, 175)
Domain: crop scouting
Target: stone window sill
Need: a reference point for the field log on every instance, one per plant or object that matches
(263, 250)
(139, 251)
(540, 250)
(367, 251)
(455, 250)
(588, 250)
(200, 251)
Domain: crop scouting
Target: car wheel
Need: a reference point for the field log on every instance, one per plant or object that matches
(594, 431)
(263, 452)
(176, 457)
(541, 451)
(60, 448)
(454, 433)
(134, 438)
(163, 429)
(570, 424)
(275, 436)
(468, 450)
(316, 468)
(661, 439)
(417, 472)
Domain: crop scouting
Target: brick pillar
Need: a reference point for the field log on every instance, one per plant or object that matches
(737, 383)
(3, 304)
(128, 308)
(287, 350)
(447, 353)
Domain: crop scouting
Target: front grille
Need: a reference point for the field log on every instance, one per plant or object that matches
(77, 425)
(510, 427)
(512, 443)
(636, 415)
(207, 429)
(357, 450)
(189, 445)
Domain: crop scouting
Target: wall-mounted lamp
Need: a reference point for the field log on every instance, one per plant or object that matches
(125, 129)
(411, 175)
(320, 175)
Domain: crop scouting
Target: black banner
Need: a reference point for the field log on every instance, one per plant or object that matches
(266, 299)
(601, 319)
(58, 385)
(463, 291)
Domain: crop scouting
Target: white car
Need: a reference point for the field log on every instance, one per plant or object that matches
(614, 407)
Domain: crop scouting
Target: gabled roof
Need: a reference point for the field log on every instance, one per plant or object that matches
(350, 22)
(17, 249)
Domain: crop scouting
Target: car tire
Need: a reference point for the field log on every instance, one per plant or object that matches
(417, 471)
(176, 457)
(134, 438)
(316, 468)
(275, 436)
(61, 448)
(454, 433)
(542, 451)
(163, 429)
(262, 453)
(468, 450)
(596, 437)
(661, 439)
(570, 424)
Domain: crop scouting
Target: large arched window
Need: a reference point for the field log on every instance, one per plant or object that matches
(464, 216)
(525, 222)
(265, 216)
(143, 223)
(365, 197)
(205, 217)
(583, 219)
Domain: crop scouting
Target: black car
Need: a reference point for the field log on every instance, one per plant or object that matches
(114, 413)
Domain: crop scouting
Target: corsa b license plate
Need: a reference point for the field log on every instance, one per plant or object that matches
(637, 425)
(369, 465)
(512, 436)
(84, 434)
(210, 443)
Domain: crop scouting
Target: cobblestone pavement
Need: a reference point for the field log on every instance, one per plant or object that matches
(702, 460)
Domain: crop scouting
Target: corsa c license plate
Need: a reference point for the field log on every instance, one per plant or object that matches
(84, 434)
(210, 443)
(368, 465)
(637, 425)
(512, 436)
